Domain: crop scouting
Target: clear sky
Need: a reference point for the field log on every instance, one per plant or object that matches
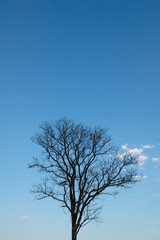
(97, 62)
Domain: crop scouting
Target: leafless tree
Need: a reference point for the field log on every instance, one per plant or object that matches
(79, 164)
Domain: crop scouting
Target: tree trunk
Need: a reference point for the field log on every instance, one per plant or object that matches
(74, 234)
(74, 230)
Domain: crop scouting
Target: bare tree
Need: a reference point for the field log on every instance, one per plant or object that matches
(80, 164)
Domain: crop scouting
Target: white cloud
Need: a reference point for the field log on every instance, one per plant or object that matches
(156, 195)
(144, 177)
(24, 217)
(142, 159)
(155, 159)
(124, 169)
(125, 147)
(139, 177)
(148, 146)
(156, 180)
(136, 152)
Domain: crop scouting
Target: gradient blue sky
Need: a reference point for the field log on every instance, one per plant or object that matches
(97, 62)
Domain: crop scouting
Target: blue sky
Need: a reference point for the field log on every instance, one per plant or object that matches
(96, 62)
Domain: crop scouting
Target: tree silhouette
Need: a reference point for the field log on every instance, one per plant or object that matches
(80, 164)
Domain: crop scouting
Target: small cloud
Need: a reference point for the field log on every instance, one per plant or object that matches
(145, 177)
(139, 177)
(148, 146)
(24, 217)
(136, 152)
(125, 147)
(156, 195)
(156, 180)
(124, 169)
(155, 166)
(155, 159)
(142, 159)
